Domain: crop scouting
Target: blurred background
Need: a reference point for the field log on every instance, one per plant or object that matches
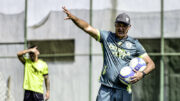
(74, 59)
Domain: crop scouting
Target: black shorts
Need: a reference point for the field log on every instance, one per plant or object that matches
(33, 96)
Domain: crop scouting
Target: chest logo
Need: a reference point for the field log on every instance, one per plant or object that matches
(128, 45)
(119, 43)
(39, 66)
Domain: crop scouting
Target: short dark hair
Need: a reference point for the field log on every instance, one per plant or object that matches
(32, 46)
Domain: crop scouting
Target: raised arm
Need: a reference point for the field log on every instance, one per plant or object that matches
(21, 53)
(81, 24)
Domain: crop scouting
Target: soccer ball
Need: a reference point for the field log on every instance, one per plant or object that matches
(125, 75)
(127, 72)
(138, 64)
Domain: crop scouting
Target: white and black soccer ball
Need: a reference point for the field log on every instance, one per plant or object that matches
(125, 75)
(138, 64)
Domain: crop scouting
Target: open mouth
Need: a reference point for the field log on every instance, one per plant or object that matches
(120, 32)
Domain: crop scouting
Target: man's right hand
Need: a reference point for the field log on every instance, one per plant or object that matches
(69, 15)
(81, 24)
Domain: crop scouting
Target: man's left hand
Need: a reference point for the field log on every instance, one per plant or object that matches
(47, 95)
(138, 76)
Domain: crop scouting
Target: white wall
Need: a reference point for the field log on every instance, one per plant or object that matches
(72, 78)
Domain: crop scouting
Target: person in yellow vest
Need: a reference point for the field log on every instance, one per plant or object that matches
(36, 70)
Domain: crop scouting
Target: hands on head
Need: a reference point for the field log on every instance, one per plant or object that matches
(34, 50)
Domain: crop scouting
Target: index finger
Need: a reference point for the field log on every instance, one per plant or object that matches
(64, 8)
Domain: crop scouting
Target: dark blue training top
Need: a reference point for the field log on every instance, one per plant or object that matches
(117, 53)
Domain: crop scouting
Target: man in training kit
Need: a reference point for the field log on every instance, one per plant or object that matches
(118, 49)
(35, 72)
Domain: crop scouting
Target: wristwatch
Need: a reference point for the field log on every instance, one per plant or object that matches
(144, 74)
